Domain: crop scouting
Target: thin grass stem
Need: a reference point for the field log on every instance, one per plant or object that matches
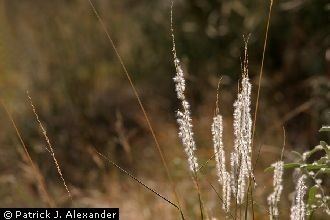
(37, 173)
(49, 146)
(128, 76)
(138, 181)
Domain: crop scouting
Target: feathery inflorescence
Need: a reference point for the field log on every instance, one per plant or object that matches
(183, 117)
(224, 176)
(217, 129)
(241, 156)
(274, 198)
(186, 135)
(298, 209)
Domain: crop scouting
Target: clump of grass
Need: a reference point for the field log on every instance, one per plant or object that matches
(237, 183)
(310, 183)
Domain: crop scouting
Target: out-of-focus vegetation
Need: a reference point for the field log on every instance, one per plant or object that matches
(58, 51)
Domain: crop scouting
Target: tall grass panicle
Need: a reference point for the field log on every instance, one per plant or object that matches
(241, 157)
(274, 198)
(298, 209)
(224, 176)
(183, 117)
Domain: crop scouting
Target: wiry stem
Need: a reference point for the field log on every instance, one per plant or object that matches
(128, 76)
(49, 148)
(138, 181)
(261, 70)
(259, 87)
(37, 173)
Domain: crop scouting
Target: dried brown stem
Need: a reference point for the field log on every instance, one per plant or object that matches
(37, 173)
(49, 145)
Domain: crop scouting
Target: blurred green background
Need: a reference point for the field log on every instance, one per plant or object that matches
(58, 51)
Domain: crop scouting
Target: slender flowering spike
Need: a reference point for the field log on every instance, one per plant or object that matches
(274, 198)
(179, 80)
(183, 117)
(243, 137)
(234, 171)
(224, 176)
(217, 129)
(186, 135)
(226, 191)
(241, 157)
(298, 209)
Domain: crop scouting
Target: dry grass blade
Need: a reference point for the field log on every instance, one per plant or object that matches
(137, 180)
(39, 177)
(160, 151)
(216, 112)
(259, 88)
(217, 193)
(49, 148)
(261, 70)
(219, 197)
(204, 164)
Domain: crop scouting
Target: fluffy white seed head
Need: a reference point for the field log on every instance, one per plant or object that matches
(186, 134)
(298, 209)
(223, 175)
(241, 158)
(274, 198)
(234, 171)
(183, 117)
(217, 130)
(180, 83)
(226, 191)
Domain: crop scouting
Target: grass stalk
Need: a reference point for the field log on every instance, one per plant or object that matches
(261, 70)
(139, 181)
(259, 89)
(181, 97)
(136, 94)
(37, 173)
(49, 146)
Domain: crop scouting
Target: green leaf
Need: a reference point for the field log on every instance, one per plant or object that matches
(325, 128)
(285, 166)
(325, 170)
(325, 147)
(324, 144)
(308, 167)
(311, 195)
(311, 167)
(307, 154)
(297, 154)
(291, 165)
(322, 160)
